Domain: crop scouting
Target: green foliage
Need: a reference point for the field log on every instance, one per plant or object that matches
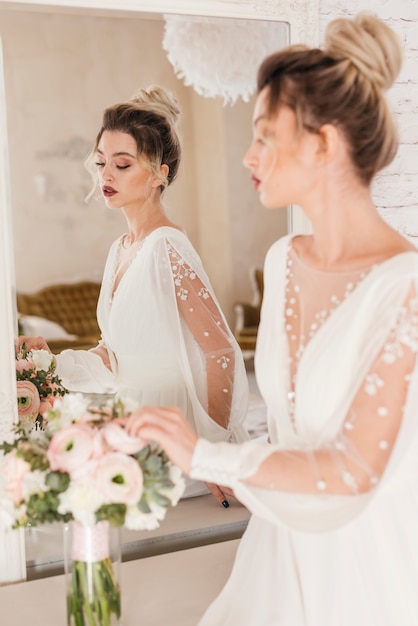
(48, 485)
(57, 481)
(114, 513)
(93, 595)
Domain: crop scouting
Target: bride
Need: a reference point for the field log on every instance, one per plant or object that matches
(333, 537)
(165, 340)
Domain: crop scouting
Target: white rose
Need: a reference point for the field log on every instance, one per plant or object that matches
(82, 500)
(66, 410)
(158, 511)
(42, 359)
(130, 405)
(9, 514)
(177, 491)
(34, 482)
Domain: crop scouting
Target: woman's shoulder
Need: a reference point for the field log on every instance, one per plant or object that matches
(169, 232)
(278, 249)
(172, 240)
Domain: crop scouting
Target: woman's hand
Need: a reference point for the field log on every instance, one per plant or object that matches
(32, 343)
(169, 428)
(220, 493)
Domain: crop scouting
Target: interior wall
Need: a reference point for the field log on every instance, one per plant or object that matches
(395, 189)
(61, 71)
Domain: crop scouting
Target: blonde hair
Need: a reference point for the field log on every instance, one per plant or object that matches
(150, 117)
(343, 84)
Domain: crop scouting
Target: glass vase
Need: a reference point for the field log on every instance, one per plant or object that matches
(92, 557)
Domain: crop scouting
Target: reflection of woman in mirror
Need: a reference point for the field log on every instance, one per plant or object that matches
(333, 538)
(165, 340)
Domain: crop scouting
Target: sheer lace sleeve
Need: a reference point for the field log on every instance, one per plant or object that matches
(200, 312)
(355, 461)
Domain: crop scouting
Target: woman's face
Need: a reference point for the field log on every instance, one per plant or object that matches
(281, 159)
(124, 181)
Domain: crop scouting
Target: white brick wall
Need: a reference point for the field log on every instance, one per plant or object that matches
(395, 190)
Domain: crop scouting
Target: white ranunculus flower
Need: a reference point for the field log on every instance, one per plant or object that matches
(82, 500)
(42, 359)
(34, 482)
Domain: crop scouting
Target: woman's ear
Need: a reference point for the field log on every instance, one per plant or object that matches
(328, 142)
(164, 169)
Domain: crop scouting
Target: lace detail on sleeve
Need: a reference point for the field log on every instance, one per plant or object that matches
(206, 323)
(365, 443)
(354, 462)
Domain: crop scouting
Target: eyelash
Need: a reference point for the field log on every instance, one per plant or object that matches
(119, 167)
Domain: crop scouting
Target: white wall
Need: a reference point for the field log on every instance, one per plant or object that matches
(396, 189)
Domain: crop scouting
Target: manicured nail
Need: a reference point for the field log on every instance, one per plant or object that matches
(225, 503)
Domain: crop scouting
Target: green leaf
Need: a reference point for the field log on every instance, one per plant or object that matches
(57, 481)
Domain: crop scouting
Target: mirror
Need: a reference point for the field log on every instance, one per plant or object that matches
(61, 71)
(62, 67)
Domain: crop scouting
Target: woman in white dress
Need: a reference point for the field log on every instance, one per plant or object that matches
(165, 340)
(333, 538)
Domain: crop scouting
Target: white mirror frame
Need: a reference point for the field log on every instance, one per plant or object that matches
(303, 19)
(301, 15)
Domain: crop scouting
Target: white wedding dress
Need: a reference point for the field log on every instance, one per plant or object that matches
(336, 365)
(168, 341)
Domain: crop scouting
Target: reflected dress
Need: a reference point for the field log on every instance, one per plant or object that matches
(337, 543)
(167, 339)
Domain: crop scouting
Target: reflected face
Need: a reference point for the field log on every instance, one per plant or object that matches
(280, 157)
(124, 181)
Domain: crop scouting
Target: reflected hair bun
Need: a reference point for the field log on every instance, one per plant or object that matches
(157, 99)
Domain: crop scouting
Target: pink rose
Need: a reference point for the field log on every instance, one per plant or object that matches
(45, 406)
(74, 450)
(117, 438)
(14, 472)
(119, 478)
(28, 402)
(22, 365)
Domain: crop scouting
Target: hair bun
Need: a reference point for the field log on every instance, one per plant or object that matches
(369, 44)
(160, 101)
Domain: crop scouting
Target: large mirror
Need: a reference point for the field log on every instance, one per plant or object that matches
(62, 67)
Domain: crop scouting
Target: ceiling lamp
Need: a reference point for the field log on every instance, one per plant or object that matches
(219, 57)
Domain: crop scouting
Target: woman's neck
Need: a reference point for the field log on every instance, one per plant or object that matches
(348, 233)
(145, 219)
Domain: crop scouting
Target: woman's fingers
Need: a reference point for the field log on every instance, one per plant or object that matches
(219, 494)
(32, 343)
(169, 428)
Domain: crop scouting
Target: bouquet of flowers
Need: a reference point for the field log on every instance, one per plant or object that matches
(85, 466)
(37, 386)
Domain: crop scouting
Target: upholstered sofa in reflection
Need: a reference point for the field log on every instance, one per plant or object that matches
(247, 314)
(64, 314)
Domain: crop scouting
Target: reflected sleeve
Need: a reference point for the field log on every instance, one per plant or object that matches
(201, 313)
